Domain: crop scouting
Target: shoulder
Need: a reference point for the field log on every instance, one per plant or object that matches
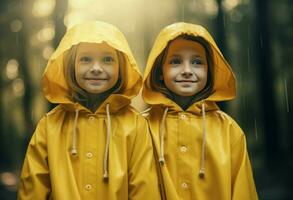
(127, 111)
(226, 118)
(53, 116)
(230, 125)
(56, 110)
(129, 115)
(57, 113)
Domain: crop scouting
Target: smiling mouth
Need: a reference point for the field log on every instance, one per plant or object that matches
(185, 81)
(96, 79)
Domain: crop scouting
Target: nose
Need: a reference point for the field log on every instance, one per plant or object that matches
(186, 70)
(96, 68)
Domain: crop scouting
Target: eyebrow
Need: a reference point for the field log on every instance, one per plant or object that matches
(177, 55)
(104, 53)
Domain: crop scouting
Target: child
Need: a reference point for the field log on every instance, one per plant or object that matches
(93, 145)
(200, 149)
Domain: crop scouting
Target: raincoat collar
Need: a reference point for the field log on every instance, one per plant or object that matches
(195, 108)
(55, 87)
(224, 87)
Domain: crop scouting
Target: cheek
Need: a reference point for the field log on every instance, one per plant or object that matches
(113, 71)
(202, 73)
(168, 74)
(80, 69)
(165, 76)
(77, 73)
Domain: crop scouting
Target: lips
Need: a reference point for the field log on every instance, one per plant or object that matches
(96, 79)
(185, 81)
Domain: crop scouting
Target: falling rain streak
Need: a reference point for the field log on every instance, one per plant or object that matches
(260, 40)
(255, 129)
(183, 12)
(286, 95)
(244, 103)
(248, 59)
(32, 115)
(17, 40)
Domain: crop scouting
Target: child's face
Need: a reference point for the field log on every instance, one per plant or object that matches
(185, 68)
(96, 67)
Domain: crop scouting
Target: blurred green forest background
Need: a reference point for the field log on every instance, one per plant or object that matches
(256, 37)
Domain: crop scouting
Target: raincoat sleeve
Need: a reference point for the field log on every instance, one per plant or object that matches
(243, 187)
(35, 180)
(143, 180)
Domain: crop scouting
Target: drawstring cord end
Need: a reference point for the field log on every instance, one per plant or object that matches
(73, 151)
(73, 148)
(162, 160)
(105, 175)
(201, 173)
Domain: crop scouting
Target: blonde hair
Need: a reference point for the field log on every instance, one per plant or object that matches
(80, 95)
(157, 82)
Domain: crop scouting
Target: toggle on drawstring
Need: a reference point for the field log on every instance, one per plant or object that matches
(73, 148)
(162, 133)
(106, 155)
(202, 161)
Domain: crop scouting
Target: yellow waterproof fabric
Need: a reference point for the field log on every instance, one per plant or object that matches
(50, 171)
(228, 173)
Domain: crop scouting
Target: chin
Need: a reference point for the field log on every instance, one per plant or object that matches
(96, 91)
(186, 93)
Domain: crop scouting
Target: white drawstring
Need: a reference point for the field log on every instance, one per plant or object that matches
(73, 148)
(162, 133)
(202, 161)
(106, 155)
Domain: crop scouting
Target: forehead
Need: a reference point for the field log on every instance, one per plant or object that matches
(95, 48)
(181, 45)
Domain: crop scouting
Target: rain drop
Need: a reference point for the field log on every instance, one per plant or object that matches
(248, 59)
(260, 41)
(183, 11)
(286, 95)
(255, 129)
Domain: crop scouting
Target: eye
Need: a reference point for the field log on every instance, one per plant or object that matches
(108, 59)
(175, 61)
(196, 61)
(85, 59)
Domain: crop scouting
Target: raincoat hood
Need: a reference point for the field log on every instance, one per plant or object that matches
(224, 87)
(55, 87)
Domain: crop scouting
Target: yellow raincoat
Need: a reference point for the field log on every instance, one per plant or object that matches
(114, 155)
(202, 150)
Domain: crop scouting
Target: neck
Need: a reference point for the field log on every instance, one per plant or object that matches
(95, 100)
(183, 101)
